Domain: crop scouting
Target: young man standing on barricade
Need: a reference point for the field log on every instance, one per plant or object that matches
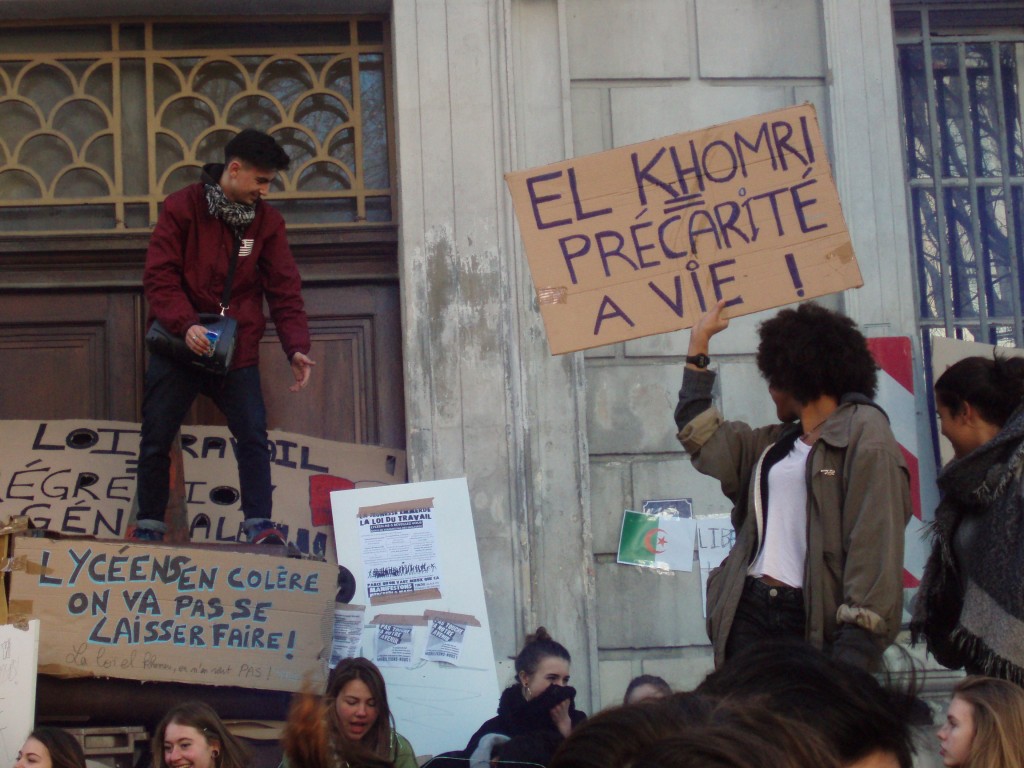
(191, 258)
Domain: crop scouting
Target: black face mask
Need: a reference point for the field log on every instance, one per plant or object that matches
(554, 695)
(535, 714)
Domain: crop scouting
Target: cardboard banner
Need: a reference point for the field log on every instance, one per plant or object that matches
(644, 239)
(78, 477)
(163, 613)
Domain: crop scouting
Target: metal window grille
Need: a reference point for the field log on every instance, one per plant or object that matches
(100, 121)
(961, 71)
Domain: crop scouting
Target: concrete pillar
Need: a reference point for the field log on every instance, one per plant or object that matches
(868, 162)
(481, 88)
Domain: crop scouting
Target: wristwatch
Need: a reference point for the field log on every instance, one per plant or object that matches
(701, 360)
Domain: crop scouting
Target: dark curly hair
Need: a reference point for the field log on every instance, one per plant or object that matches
(811, 351)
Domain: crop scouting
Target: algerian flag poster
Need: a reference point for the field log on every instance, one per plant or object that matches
(656, 541)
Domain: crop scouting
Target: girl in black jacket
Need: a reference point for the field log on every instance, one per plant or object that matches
(540, 700)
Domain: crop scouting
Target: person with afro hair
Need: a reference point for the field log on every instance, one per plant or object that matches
(821, 497)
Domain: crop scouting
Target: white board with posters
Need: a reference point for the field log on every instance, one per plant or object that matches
(412, 552)
(19, 654)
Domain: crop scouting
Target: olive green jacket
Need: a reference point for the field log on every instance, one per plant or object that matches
(858, 505)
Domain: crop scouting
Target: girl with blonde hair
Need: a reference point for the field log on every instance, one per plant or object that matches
(984, 725)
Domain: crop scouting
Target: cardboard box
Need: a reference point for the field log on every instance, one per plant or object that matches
(162, 613)
(7, 531)
(644, 239)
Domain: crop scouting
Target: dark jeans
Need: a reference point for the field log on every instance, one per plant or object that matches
(765, 613)
(171, 388)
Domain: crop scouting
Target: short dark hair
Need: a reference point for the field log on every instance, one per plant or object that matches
(993, 386)
(742, 735)
(658, 683)
(617, 736)
(64, 749)
(811, 351)
(258, 149)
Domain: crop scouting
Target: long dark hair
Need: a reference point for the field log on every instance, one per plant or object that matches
(853, 710)
(691, 730)
(993, 386)
(64, 749)
(379, 739)
(202, 717)
(313, 736)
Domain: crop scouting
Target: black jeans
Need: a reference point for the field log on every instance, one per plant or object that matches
(766, 613)
(170, 390)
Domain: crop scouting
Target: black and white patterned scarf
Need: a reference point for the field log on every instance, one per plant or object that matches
(238, 216)
(970, 610)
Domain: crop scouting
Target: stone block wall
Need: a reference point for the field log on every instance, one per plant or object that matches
(638, 71)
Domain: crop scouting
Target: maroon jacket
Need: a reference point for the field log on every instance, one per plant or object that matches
(187, 264)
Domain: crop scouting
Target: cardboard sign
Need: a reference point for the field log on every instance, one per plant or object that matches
(644, 239)
(162, 613)
(78, 477)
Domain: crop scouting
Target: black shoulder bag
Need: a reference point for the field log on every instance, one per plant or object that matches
(161, 342)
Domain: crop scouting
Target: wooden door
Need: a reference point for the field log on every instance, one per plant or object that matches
(70, 354)
(355, 394)
(79, 354)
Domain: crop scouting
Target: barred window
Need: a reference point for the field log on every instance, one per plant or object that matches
(100, 122)
(961, 71)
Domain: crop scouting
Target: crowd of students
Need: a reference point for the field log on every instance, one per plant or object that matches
(800, 613)
(781, 704)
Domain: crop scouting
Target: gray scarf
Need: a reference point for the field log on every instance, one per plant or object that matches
(970, 610)
(236, 215)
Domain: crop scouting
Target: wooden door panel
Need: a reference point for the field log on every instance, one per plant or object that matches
(355, 393)
(80, 355)
(336, 402)
(70, 355)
